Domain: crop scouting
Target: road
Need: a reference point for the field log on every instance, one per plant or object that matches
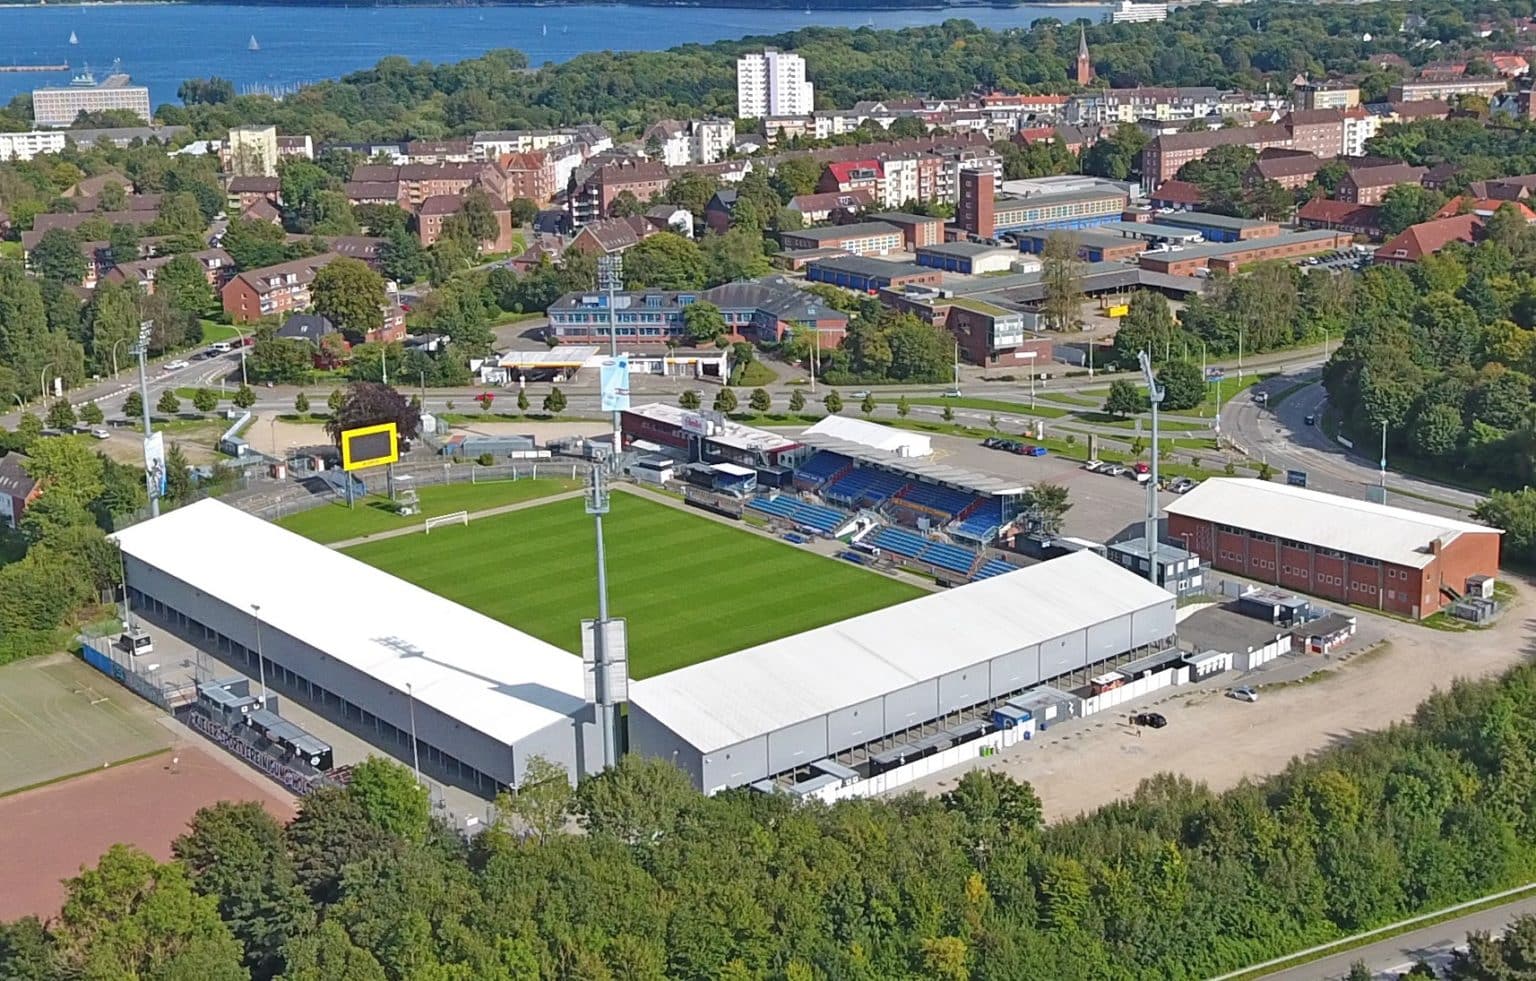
(1390, 958)
(1280, 435)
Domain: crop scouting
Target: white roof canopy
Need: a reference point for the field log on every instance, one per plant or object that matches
(490, 677)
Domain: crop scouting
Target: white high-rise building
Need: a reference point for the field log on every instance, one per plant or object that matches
(773, 84)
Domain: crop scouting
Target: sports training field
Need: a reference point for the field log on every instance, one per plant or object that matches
(691, 588)
(334, 521)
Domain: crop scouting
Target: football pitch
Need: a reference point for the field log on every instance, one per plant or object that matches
(690, 588)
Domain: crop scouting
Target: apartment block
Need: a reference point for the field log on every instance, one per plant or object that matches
(772, 83)
(61, 105)
(251, 151)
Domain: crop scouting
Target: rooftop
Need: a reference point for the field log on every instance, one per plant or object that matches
(724, 431)
(857, 229)
(490, 677)
(1213, 250)
(1205, 219)
(1374, 531)
(789, 680)
(858, 265)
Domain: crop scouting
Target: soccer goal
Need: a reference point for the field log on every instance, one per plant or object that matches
(457, 517)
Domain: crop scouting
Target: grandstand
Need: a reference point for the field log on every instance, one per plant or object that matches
(861, 487)
(817, 517)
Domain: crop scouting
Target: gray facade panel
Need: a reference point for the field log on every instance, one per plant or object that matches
(1154, 624)
(964, 688)
(1014, 671)
(736, 765)
(1063, 654)
(1105, 640)
(855, 725)
(797, 745)
(911, 706)
(647, 737)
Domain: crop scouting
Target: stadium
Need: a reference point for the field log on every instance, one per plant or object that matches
(758, 663)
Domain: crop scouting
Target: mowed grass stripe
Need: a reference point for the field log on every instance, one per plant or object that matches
(691, 588)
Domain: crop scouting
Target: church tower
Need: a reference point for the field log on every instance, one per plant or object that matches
(1084, 63)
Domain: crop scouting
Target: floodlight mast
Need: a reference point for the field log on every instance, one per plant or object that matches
(151, 479)
(607, 712)
(1155, 395)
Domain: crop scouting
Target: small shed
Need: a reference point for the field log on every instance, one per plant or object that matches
(1274, 606)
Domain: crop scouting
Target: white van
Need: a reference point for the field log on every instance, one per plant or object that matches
(136, 641)
(221, 347)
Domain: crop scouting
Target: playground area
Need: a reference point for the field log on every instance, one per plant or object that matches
(58, 717)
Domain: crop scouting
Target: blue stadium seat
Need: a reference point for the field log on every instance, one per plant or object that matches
(819, 517)
(861, 486)
(899, 540)
(820, 467)
(990, 568)
(951, 557)
(982, 525)
(945, 500)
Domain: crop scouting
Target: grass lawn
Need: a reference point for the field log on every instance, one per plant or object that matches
(691, 588)
(754, 374)
(10, 250)
(987, 405)
(334, 522)
(214, 332)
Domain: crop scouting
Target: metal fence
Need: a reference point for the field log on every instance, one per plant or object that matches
(168, 692)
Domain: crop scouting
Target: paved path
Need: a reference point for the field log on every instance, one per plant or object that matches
(412, 529)
(1388, 959)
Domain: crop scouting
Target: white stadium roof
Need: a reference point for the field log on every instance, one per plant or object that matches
(490, 677)
(898, 442)
(762, 689)
(1374, 531)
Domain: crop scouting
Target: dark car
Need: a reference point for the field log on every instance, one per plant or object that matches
(1152, 720)
(1311, 420)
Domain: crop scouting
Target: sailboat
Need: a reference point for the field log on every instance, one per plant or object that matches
(73, 39)
(544, 31)
(253, 46)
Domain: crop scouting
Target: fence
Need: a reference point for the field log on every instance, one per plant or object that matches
(102, 654)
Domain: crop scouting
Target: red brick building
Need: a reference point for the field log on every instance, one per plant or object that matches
(1369, 185)
(1335, 548)
(1426, 238)
(436, 210)
(529, 175)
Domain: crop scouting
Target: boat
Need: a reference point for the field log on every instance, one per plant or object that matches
(253, 46)
(544, 31)
(73, 39)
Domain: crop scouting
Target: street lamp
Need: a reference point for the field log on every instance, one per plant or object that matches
(115, 343)
(410, 696)
(42, 386)
(151, 479)
(261, 663)
(1154, 398)
(1383, 461)
(240, 334)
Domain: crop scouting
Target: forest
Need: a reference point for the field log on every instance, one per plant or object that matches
(1245, 45)
(1177, 881)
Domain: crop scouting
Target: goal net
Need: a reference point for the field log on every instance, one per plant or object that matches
(457, 517)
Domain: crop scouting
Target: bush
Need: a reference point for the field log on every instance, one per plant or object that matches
(485, 459)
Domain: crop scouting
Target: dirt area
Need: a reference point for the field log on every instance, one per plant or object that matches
(1219, 741)
(542, 431)
(277, 436)
(127, 446)
(47, 834)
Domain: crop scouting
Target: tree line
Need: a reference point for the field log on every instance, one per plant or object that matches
(1174, 881)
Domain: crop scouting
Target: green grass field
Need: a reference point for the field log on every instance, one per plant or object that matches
(691, 588)
(335, 522)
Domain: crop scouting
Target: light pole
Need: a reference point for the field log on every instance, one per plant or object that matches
(42, 386)
(241, 335)
(115, 343)
(261, 661)
(151, 482)
(1155, 398)
(816, 343)
(383, 362)
(1383, 461)
(608, 666)
(410, 696)
(610, 275)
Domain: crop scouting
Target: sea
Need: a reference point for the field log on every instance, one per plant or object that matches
(162, 45)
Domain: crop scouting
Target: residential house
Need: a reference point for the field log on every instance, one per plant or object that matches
(1369, 185)
(1342, 216)
(245, 191)
(1445, 87)
(365, 248)
(845, 177)
(436, 210)
(272, 291)
(417, 182)
(1427, 238)
(372, 192)
(218, 269)
(529, 175)
(262, 210)
(1484, 208)
(438, 152)
(721, 210)
(671, 218)
(611, 236)
(295, 147)
(830, 206)
(313, 329)
(592, 198)
(1288, 168)
(18, 489)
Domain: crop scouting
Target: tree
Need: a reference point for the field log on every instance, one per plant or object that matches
(760, 401)
(1124, 399)
(1148, 325)
(169, 404)
(554, 402)
(1515, 512)
(183, 282)
(797, 401)
(794, 176)
(402, 257)
(1062, 279)
(350, 295)
(868, 405)
(725, 400)
(691, 191)
(91, 414)
(542, 802)
(371, 404)
(948, 415)
(664, 261)
(133, 405)
(61, 415)
(1438, 431)
(903, 407)
(205, 400)
(522, 401)
(480, 218)
(690, 400)
(57, 256)
(1407, 204)
(244, 398)
(703, 323)
(523, 211)
(391, 798)
(734, 256)
(301, 403)
(253, 244)
(833, 402)
(1183, 385)
(1047, 504)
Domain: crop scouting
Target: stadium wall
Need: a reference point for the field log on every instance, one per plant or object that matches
(377, 712)
(897, 711)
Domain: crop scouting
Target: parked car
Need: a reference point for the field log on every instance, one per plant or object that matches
(1093, 466)
(1182, 485)
(101, 434)
(992, 442)
(1311, 420)
(173, 366)
(1116, 470)
(860, 394)
(953, 393)
(1244, 694)
(1152, 720)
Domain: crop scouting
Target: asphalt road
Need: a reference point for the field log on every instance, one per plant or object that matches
(1280, 436)
(1391, 958)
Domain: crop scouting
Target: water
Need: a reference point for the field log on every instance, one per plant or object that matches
(162, 45)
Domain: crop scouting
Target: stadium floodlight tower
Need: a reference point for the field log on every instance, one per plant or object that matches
(1155, 394)
(151, 479)
(604, 644)
(610, 276)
